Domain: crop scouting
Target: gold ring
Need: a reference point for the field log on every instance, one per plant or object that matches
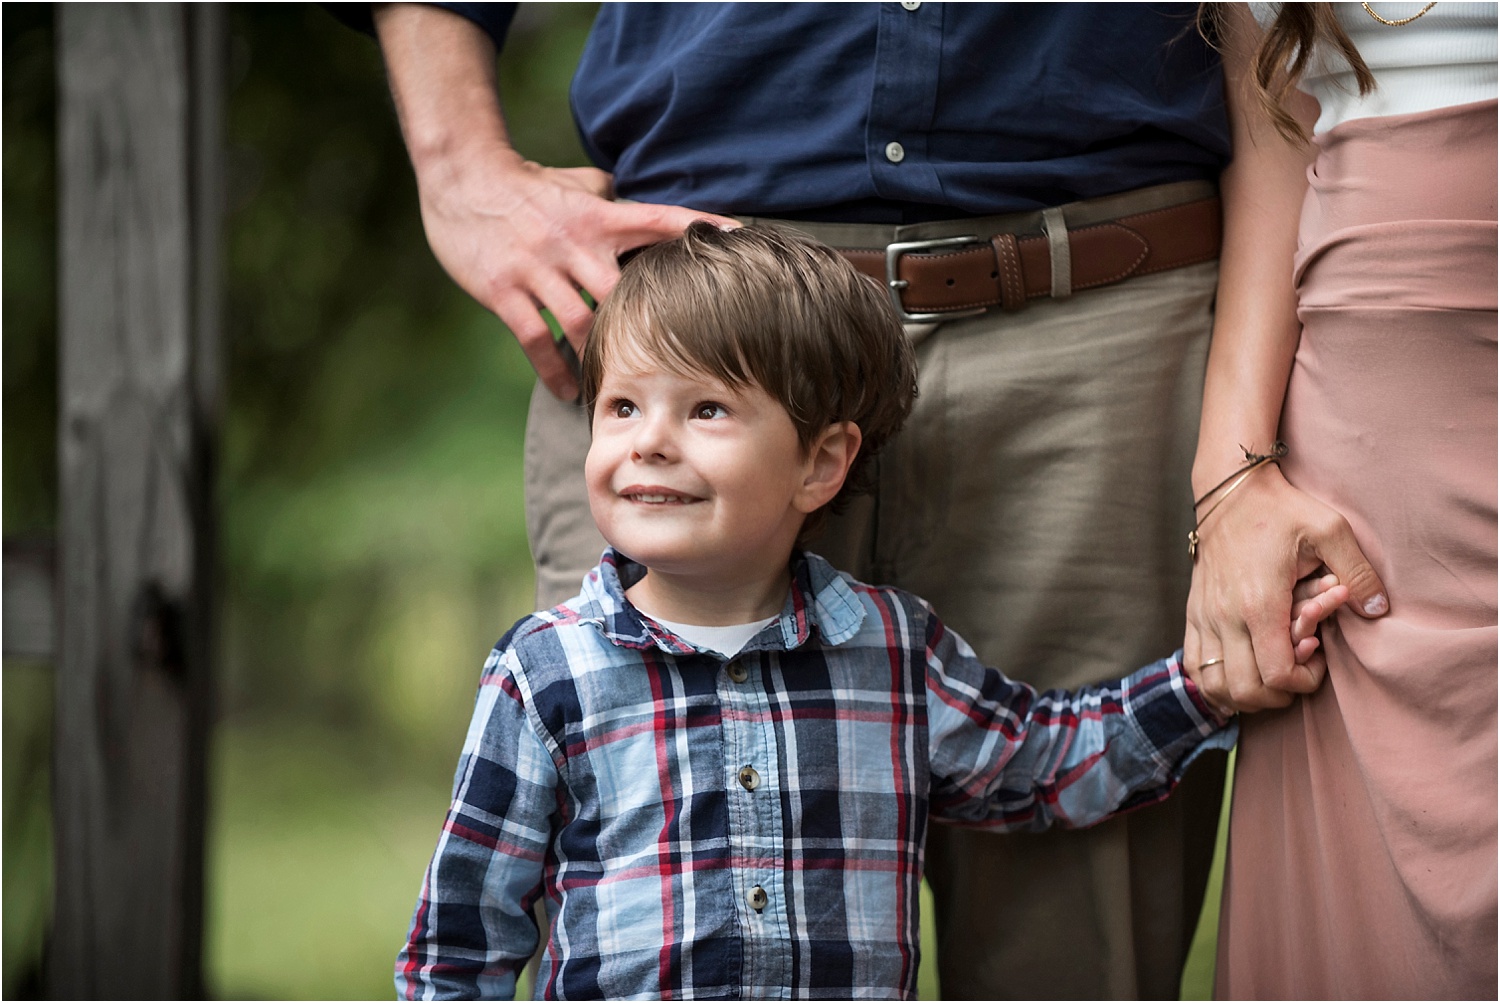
(1211, 661)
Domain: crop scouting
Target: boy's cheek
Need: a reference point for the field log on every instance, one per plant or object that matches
(596, 476)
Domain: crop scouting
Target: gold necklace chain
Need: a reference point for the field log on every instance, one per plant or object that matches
(1396, 24)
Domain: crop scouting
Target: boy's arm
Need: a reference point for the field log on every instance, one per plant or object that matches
(1005, 756)
(473, 928)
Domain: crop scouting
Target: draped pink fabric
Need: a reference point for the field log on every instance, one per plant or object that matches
(1362, 847)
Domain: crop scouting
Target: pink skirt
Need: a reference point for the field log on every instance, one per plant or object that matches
(1362, 842)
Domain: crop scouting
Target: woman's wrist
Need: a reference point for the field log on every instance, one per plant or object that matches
(1217, 463)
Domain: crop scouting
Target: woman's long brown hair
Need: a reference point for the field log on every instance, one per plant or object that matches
(1284, 53)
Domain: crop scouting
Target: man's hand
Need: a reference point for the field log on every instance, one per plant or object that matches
(1254, 551)
(516, 236)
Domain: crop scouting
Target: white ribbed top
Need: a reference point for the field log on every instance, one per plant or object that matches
(1446, 57)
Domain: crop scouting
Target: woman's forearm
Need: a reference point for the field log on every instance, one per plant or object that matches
(1255, 325)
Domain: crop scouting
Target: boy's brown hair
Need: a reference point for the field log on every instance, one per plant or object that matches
(771, 307)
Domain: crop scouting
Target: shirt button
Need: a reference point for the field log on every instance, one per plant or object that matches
(757, 898)
(895, 152)
(749, 779)
(738, 672)
(911, 4)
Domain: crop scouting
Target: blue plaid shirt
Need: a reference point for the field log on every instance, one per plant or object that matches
(704, 828)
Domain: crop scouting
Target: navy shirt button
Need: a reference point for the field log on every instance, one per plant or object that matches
(911, 4)
(895, 152)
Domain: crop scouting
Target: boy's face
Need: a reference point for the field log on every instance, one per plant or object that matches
(692, 477)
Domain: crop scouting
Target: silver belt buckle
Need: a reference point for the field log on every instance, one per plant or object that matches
(894, 284)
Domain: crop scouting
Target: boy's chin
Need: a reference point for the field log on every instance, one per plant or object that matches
(679, 559)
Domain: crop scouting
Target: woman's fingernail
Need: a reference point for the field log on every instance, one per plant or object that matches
(1376, 605)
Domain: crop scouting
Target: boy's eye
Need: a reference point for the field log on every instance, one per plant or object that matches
(709, 409)
(622, 409)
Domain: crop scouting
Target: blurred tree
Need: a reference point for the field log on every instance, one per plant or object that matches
(374, 418)
(373, 544)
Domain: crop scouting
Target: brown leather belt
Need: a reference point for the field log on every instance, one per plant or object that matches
(936, 280)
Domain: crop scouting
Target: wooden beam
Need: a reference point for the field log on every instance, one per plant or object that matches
(140, 97)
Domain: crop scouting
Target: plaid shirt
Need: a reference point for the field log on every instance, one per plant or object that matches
(704, 828)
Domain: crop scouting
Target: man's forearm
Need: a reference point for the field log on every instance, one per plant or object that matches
(517, 236)
(442, 77)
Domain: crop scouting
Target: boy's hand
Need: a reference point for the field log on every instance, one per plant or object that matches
(1313, 601)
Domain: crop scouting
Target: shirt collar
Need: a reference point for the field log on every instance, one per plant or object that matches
(820, 598)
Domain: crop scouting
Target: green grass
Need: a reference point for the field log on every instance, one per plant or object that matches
(316, 855)
(1198, 972)
(315, 863)
(316, 852)
(27, 699)
(316, 858)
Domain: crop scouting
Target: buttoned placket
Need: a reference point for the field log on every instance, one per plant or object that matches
(903, 101)
(752, 779)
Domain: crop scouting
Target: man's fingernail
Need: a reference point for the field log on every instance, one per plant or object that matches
(1376, 605)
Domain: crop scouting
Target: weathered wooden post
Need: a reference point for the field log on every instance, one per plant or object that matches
(139, 110)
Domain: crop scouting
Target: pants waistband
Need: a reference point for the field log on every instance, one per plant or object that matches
(937, 271)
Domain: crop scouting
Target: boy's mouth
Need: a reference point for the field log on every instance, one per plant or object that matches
(656, 496)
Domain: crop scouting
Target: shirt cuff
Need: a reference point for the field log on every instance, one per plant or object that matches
(1173, 716)
(494, 18)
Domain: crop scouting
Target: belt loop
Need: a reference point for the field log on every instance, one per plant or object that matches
(1008, 273)
(1060, 251)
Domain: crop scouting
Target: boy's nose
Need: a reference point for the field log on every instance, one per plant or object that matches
(653, 441)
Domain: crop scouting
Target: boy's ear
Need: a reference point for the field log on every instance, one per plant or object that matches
(829, 458)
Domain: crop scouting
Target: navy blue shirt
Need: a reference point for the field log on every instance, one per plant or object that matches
(792, 109)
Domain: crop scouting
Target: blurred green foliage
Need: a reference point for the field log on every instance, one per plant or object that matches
(28, 202)
(373, 542)
(28, 207)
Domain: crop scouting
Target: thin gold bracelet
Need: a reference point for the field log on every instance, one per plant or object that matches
(1278, 451)
(1193, 538)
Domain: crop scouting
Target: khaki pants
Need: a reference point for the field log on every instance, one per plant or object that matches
(1039, 498)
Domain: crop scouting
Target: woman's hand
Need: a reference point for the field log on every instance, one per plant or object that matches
(1252, 553)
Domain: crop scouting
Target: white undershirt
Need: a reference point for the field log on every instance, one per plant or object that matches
(727, 641)
(1445, 57)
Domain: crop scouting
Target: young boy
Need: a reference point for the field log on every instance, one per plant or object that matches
(717, 763)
